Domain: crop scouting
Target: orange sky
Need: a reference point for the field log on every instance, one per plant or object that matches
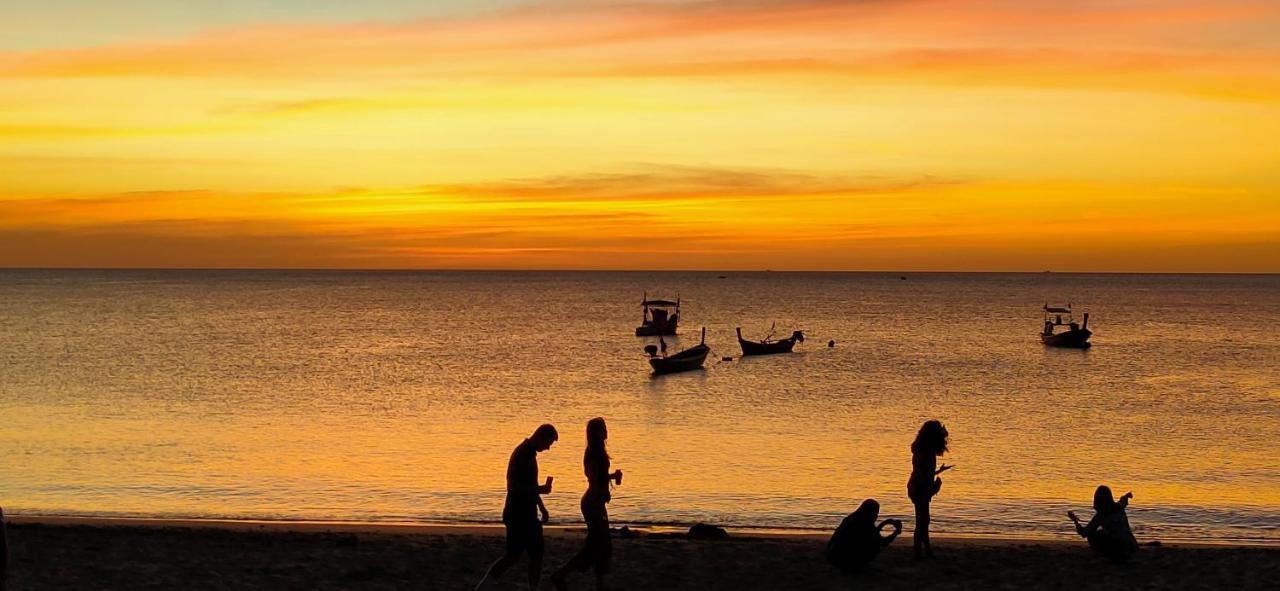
(897, 135)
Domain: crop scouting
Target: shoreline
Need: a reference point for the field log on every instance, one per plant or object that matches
(487, 529)
(113, 553)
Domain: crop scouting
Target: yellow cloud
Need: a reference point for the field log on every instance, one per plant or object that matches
(786, 134)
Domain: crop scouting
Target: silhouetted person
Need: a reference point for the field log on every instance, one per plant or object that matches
(1108, 532)
(597, 549)
(930, 443)
(524, 501)
(4, 554)
(858, 541)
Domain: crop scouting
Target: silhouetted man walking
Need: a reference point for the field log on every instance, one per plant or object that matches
(524, 501)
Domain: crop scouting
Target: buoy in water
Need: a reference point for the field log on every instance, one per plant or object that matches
(831, 344)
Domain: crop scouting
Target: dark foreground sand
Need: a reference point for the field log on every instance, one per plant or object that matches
(152, 556)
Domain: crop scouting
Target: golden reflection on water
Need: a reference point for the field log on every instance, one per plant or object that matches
(399, 397)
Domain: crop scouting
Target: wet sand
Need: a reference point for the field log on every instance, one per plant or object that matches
(50, 553)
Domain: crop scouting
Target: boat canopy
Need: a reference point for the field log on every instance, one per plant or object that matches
(659, 303)
(1053, 310)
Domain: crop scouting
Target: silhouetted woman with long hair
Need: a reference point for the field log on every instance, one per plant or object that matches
(858, 541)
(1108, 532)
(597, 549)
(930, 443)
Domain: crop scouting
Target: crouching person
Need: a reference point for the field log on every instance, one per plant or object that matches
(858, 540)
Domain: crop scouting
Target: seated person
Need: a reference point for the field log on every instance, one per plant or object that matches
(857, 541)
(1108, 532)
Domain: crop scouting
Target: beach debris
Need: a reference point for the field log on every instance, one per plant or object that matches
(706, 531)
(727, 358)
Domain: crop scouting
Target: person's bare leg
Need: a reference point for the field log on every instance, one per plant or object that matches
(496, 569)
(928, 544)
(535, 573)
(920, 537)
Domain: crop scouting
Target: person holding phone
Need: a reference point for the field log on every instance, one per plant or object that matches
(924, 484)
(597, 549)
(858, 540)
(524, 497)
(1108, 532)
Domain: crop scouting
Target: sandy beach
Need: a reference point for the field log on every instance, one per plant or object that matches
(61, 553)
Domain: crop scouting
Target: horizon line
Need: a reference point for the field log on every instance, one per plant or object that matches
(590, 270)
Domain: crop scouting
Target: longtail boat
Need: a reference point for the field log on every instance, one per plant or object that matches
(768, 346)
(1075, 337)
(659, 317)
(686, 360)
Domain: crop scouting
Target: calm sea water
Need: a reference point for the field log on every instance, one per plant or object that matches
(398, 396)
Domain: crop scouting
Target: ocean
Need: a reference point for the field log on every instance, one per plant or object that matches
(398, 396)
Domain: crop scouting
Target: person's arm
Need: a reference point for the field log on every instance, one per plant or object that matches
(1091, 528)
(897, 529)
(521, 487)
(942, 469)
(1080, 529)
(546, 517)
(1124, 501)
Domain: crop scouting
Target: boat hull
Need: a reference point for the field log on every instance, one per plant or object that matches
(768, 347)
(687, 360)
(652, 330)
(754, 348)
(1072, 339)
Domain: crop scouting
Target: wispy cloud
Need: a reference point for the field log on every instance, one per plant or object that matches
(903, 39)
(628, 219)
(656, 183)
(582, 133)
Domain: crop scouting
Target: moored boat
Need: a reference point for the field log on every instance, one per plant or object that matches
(1075, 337)
(659, 317)
(686, 360)
(768, 346)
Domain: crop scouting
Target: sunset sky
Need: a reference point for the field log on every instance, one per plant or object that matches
(1129, 135)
